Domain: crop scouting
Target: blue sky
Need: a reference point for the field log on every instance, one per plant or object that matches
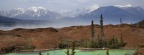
(64, 4)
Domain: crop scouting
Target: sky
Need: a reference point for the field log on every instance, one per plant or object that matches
(64, 4)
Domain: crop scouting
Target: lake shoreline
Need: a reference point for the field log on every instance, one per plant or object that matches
(86, 51)
(40, 50)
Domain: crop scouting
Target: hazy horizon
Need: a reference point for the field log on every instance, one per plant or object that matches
(63, 5)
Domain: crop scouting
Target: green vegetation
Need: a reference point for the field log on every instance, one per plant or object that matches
(92, 34)
(107, 52)
(114, 43)
(30, 47)
(73, 48)
(40, 53)
(62, 43)
(67, 53)
(102, 38)
(8, 49)
(48, 53)
(101, 41)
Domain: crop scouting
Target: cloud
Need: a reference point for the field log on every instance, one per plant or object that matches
(82, 1)
(22, 0)
(66, 4)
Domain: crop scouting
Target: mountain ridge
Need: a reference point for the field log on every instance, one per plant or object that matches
(111, 13)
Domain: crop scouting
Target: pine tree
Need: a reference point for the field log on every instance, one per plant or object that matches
(121, 23)
(122, 44)
(98, 41)
(73, 48)
(102, 31)
(92, 34)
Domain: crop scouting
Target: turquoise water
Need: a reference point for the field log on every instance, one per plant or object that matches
(78, 52)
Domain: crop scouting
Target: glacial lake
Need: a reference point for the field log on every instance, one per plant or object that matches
(78, 52)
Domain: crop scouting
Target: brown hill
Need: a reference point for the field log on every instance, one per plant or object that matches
(141, 23)
(45, 38)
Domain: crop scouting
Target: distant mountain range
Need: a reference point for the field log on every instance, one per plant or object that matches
(33, 13)
(111, 14)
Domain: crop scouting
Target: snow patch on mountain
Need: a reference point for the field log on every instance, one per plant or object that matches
(21, 10)
(31, 13)
(92, 8)
(79, 11)
(35, 9)
(128, 5)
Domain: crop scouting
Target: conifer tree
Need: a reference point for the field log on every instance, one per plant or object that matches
(102, 31)
(122, 44)
(73, 48)
(92, 34)
(121, 23)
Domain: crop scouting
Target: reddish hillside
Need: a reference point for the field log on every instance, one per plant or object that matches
(44, 38)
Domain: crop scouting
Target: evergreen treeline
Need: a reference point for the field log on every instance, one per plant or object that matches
(100, 41)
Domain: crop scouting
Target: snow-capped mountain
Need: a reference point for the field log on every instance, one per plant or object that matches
(33, 13)
(130, 8)
(113, 14)
(134, 10)
(123, 6)
(110, 13)
(79, 11)
(91, 8)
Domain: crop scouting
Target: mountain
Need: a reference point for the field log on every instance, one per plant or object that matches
(9, 22)
(33, 13)
(111, 14)
(135, 10)
(76, 12)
